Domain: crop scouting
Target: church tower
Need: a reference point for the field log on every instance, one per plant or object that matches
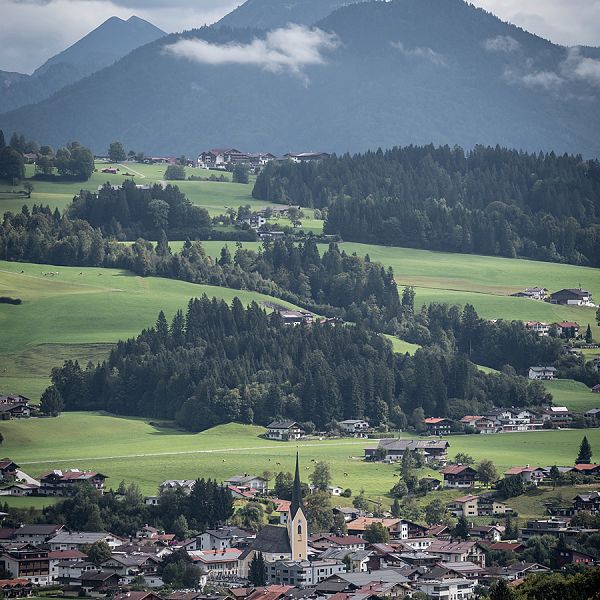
(297, 525)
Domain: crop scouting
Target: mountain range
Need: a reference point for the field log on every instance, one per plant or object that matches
(100, 48)
(371, 74)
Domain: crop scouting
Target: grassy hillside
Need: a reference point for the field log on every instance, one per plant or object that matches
(573, 394)
(79, 313)
(214, 196)
(136, 450)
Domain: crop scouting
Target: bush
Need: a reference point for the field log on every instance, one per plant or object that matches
(9, 300)
(347, 493)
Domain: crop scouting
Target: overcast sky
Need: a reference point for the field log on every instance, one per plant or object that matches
(31, 31)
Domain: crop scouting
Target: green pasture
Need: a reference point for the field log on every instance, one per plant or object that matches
(574, 395)
(136, 450)
(26, 502)
(78, 313)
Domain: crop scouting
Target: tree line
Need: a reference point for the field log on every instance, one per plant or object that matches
(72, 161)
(220, 363)
(492, 201)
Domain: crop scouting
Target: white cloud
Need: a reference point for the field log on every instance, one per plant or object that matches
(422, 53)
(544, 79)
(576, 66)
(290, 48)
(566, 22)
(501, 43)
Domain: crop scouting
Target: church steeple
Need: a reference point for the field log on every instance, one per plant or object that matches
(296, 492)
(297, 526)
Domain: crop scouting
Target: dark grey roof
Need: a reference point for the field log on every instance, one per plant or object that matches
(226, 533)
(272, 539)
(37, 530)
(383, 575)
(284, 424)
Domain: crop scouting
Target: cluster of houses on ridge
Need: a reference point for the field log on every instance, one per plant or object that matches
(298, 564)
(565, 297)
(221, 158)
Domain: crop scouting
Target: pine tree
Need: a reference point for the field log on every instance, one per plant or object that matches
(588, 335)
(585, 452)
(2, 140)
(257, 574)
(501, 591)
(462, 528)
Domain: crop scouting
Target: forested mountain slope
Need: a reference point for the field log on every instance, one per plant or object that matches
(385, 73)
(268, 14)
(98, 49)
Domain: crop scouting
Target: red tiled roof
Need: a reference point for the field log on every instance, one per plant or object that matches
(433, 420)
(455, 469)
(66, 554)
(586, 467)
(362, 523)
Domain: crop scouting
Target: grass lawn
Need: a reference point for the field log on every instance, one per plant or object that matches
(573, 394)
(540, 448)
(78, 314)
(28, 502)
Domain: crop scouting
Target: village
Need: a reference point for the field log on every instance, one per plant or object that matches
(369, 551)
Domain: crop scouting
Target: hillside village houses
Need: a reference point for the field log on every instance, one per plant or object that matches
(297, 565)
(221, 158)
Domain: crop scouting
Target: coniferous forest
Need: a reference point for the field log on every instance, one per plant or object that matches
(220, 363)
(491, 201)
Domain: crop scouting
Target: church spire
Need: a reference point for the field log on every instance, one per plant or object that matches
(296, 491)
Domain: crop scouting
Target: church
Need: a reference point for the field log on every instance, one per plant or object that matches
(282, 543)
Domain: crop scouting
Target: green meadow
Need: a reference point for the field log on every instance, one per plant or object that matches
(573, 394)
(136, 450)
(216, 197)
(78, 313)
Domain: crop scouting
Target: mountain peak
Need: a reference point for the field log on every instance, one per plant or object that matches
(110, 41)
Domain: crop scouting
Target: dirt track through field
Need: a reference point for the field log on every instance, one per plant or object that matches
(154, 454)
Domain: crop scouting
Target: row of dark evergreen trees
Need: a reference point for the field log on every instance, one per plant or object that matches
(220, 363)
(488, 201)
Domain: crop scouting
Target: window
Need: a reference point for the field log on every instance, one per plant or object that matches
(299, 527)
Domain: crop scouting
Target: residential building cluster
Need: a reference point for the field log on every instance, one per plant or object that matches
(319, 566)
(222, 158)
(564, 297)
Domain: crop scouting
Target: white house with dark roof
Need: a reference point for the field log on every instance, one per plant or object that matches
(284, 430)
(544, 373)
(248, 482)
(355, 427)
